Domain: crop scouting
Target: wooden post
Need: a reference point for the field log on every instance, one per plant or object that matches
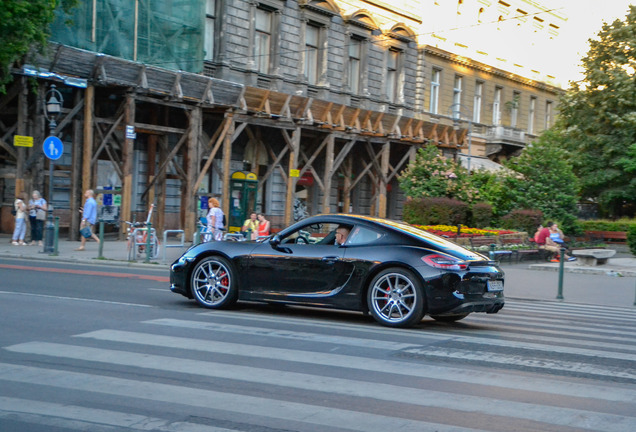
(188, 199)
(348, 167)
(160, 189)
(326, 204)
(291, 181)
(127, 156)
(384, 166)
(151, 167)
(23, 115)
(76, 171)
(87, 154)
(227, 157)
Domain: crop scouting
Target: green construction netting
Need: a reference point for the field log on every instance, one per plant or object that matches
(166, 34)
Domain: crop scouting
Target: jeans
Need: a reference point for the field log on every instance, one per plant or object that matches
(37, 227)
(20, 229)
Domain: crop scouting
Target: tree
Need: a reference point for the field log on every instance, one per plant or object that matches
(544, 179)
(24, 24)
(432, 175)
(598, 118)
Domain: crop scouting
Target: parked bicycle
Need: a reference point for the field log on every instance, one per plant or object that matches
(137, 238)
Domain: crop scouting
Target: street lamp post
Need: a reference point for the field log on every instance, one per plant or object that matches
(53, 101)
(457, 115)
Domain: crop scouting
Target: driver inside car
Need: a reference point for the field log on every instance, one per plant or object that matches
(342, 232)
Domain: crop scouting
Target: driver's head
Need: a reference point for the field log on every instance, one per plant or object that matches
(341, 234)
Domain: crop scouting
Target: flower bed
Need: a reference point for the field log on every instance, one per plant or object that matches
(451, 231)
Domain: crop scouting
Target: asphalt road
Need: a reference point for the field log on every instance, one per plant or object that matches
(97, 348)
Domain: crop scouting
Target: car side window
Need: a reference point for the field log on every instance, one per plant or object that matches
(314, 234)
(361, 235)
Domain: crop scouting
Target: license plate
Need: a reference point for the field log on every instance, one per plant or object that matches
(495, 285)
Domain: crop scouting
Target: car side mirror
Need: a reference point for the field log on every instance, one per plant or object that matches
(274, 241)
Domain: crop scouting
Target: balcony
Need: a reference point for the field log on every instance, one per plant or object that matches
(501, 139)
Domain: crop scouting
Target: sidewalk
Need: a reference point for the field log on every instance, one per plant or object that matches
(612, 284)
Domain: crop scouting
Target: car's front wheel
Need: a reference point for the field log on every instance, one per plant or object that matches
(396, 298)
(213, 284)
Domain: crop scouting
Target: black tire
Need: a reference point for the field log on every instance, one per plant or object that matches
(396, 298)
(449, 318)
(213, 284)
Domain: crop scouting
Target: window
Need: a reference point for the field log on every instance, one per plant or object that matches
(457, 94)
(479, 89)
(392, 74)
(435, 83)
(514, 108)
(263, 39)
(548, 114)
(533, 106)
(312, 39)
(496, 106)
(210, 27)
(355, 59)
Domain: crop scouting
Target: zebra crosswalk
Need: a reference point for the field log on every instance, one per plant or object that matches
(535, 366)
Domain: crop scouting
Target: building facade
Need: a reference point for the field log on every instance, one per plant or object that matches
(325, 102)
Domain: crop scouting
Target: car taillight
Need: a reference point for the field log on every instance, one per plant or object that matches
(445, 262)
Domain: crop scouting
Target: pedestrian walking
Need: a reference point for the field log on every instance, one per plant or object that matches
(89, 217)
(214, 220)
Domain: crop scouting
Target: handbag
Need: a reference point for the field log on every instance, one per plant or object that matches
(40, 214)
(86, 232)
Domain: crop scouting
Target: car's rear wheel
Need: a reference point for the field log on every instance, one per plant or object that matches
(449, 318)
(396, 298)
(213, 284)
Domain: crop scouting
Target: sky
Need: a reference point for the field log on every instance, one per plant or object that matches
(585, 19)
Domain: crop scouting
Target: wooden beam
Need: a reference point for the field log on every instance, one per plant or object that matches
(144, 127)
(222, 132)
(127, 156)
(188, 200)
(23, 118)
(346, 187)
(384, 164)
(326, 205)
(227, 159)
(291, 181)
(165, 163)
(105, 139)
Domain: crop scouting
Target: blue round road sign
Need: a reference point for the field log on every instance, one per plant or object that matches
(53, 148)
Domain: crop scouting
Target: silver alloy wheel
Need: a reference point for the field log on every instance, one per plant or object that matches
(394, 298)
(211, 282)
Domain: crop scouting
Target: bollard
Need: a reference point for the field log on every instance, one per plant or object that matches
(56, 236)
(561, 263)
(197, 236)
(148, 235)
(491, 254)
(100, 248)
(635, 298)
(49, 229)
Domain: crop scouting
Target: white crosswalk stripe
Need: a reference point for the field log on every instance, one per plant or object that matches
(538, 366)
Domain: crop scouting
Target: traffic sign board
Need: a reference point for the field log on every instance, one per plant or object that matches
(53, 148)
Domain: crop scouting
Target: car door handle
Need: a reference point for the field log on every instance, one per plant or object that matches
(330, 259)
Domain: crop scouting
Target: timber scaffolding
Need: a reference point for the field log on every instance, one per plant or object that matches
(314, 136)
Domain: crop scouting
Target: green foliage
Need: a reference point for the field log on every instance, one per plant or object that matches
(482, 215)
(433, 175)
(631, 239)
(24, 24)
(523, 220)
(598, 119)
(543, 180)
(607, 225)
(435, 211)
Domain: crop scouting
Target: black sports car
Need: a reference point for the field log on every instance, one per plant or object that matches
(396, 272)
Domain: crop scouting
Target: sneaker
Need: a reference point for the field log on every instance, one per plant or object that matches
(572, 259)
(554, 260)
(22, 243)
(15, 243)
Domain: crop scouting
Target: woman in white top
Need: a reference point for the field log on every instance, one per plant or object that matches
(37, 214)
(215, 220)
(20, 220)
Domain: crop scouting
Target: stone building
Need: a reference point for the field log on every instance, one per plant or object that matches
(324, 102)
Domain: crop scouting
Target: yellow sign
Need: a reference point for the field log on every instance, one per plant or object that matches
(22, 141)
(294, 173)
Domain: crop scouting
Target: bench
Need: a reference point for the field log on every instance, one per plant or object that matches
(617, 237)
(476, 242)
(593, 257)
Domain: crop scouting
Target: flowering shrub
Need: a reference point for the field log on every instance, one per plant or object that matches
(451, 231)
